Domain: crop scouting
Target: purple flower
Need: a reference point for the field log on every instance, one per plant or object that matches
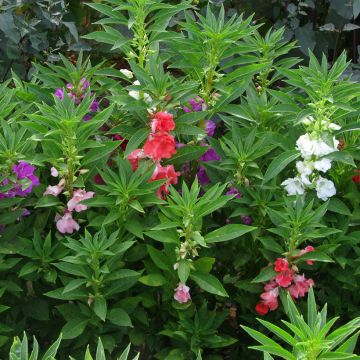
(25, 213)
(84, 84)
(210, 128)
(59, 93)
(234, 191)
(25, 171)
(210, 155)
(202, 176)
(87, 117)
(246, 220)
(196, 105)
(69, 86)
(94, 107)
(179, 145)
(2, 227)
(186, 109)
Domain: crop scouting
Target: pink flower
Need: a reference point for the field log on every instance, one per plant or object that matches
(53, 190)
(165, 172)
(162, 121)
(159, 146)
(66, 224)
(281, 265)
(270, 285)
(54, 172)
(285, 278)
(270, 298)
(79, 195)
(300, 286)
(261, 308)
(182, 293)
(135, 157)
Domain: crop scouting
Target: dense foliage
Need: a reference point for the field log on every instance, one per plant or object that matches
(170, 201)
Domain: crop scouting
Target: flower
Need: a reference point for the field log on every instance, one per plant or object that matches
(281, 265)
(54, 172)
(294, 186)
(356, 178)
(54, 190)
(159, 146)
(196, 105)
(202, 176)
(322, 165)
(59, 93)
(284, 278)
(136, 94)
(87, 117)
(162, 121)
(305, 167)
(25, 171)
(317, 147)
(98, 179)
(84, 83)
(305, 145)
(333, 126)
(246, 220)
(210, 128)
(300, 286)
(270, 298)
(127, 73)
(261, 308)
(168, 173)
(66, 224)
(94, 107)
(234, 191)
(325, 188)
(210, 155)
(306, 250)
(79, 195)
(182, 293)
(134, 158)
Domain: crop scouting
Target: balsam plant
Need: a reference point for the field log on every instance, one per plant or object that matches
(312, 338)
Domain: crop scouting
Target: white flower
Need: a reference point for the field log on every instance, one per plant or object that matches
(54, 172)
(305, 145)
(325, 188)
(293, 186)
(321, 148)
(136, 94)
(322, 165)
(308, 120)
(127, 73)
(333, 126)
(305, 167)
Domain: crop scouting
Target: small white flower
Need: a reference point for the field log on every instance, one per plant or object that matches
(321, 148)
(127, 73)
(54, 172)
(136, 94)
(294, 186)
(325, 188)
(305, 167)
(305, 145)
(333, 126)
(308, 120)
(322, 165)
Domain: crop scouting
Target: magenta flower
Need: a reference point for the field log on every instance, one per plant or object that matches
(196, 105)
(234, 191)
(94, 107)
(182, 293)
(210, 155)
(246, 220)
(87, 117)
(84, 84)
(79, 195)
(202, 176)
(25, 171)
(59, 93)
(210, 128)
(66, 224)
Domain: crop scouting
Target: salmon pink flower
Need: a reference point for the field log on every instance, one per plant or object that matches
(300, 286)
(159, 146)
(270, 298)
(182, 293)
(162, 121)
(135, 157)
(78, 196)
(281, 265)
(284, 278)
(168, 173)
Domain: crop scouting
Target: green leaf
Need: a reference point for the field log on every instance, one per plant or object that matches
(209, 283)
(100, 307)
(339, 207)
(153, 280)
(119, 317)
(164, 236)
(266, 274)
(183, 270)
(341, 156)
(51, 352)
(186, 153)
(160, 259)
(74, 328)
(135, 141)
(227, 232)
(279, 164)
(314, 255)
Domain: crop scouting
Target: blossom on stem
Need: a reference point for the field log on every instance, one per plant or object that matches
(182, 293)
(66, 224)
(159, 146)
(78, 196)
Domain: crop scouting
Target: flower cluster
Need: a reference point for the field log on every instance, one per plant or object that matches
(313, 150)
(77, 94)
(287, 278)
(24, 183)
(159, 145)
(66, 224)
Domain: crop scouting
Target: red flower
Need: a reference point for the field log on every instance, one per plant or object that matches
(281, 265)
(285, 278)
(300, 286)
(98, 179)
(261, 308)
(160, 146)
(356, 178)
(162, 121)
(304, 251)
(135, 157)
(165, 172)
(118, 138)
